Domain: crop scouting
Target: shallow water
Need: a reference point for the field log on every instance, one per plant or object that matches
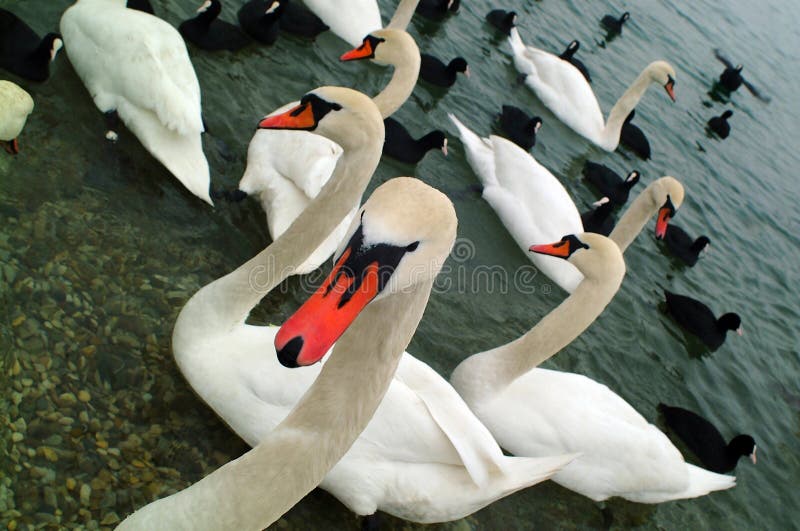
(100, 248)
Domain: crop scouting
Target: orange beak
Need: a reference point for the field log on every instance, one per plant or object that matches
(313, 329)
(665, 214)
(300, 117)
(364, 51)
(559, 249)
(670, 88)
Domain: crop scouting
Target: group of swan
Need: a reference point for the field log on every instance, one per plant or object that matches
(424, 455)
(413, 225)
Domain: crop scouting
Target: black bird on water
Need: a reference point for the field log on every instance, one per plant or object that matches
(731, 78)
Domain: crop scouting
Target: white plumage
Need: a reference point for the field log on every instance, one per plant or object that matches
(138, 65)
(532, 204)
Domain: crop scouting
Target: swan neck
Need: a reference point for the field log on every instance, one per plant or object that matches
(226, 302)
(400, 87)
(402, 15)
(482, 376)
(625, 104)
(254, 490)
(634, 220)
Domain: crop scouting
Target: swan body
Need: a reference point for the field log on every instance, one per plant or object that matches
(622, 454)
(564, 90)
(424, 456)
(349, 20)
(15, 106)
(532, 204)
(113, 49)
(254, 490)
(536, 412)
(286, 169)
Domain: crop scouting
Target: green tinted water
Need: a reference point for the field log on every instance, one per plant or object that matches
(100, 247)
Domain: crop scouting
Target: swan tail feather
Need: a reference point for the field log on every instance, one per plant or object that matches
(523, 472)
(476, 447)
(182, 155)
(480, 153)
(702, 481)
(515, 41)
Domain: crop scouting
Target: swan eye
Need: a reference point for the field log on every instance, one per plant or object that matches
(412, 247)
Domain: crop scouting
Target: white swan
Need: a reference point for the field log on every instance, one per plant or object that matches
(15, 106)
(424, 456)
(405, 231)
(287, 169)
(534, 206)
(536, 412)
(137, 64)
(564, 90)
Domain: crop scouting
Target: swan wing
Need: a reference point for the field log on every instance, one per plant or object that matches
(549, 412)
(476, 447)
(351, 20)
(534, 207)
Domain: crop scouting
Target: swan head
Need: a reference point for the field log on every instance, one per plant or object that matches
(625, 16)
(661, 72)
(738, 69)
(384, 46)
(453, 5)
(593, 254)
(346, 116)
(727, 114)
(400, 238)
(666, 194)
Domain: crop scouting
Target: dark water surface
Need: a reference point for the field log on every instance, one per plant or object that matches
(100, 247)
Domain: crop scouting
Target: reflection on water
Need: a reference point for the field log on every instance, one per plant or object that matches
(100, 247)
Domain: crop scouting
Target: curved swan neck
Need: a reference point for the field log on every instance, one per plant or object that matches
(634, 219)
(402, 15)
(227, 301)
(499, 367)
(625, 104)
(404, 79)
(254, 490)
